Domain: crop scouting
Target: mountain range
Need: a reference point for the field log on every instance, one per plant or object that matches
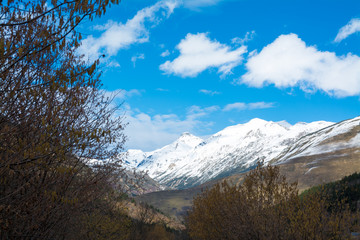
(190, 160)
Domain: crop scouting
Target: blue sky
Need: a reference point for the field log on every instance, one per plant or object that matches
(202, 65)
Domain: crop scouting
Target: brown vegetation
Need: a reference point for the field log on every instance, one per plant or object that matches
(265, 206)
(53, 120)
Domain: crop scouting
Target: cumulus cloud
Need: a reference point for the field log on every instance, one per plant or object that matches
(352, 27)
(239, 106)
(148, 132)
(198, 53)
(209, 92)
(288, 62)
(117, 36)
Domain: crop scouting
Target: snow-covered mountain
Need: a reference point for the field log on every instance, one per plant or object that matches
(190, 160)
(343, 135)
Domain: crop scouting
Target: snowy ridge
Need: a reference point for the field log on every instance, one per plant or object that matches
(164, 159)
(190, 160)
(323, 140)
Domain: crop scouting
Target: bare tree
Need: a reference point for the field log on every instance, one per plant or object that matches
(54, 119)
(265, 206)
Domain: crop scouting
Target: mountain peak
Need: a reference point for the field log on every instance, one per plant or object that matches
(256, 121)
(188, 139)
(186, 134)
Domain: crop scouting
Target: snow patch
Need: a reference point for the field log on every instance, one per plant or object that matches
(310, 170)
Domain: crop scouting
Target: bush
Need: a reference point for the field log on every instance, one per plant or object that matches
(265, 206)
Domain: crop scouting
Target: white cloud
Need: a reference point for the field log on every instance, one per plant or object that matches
(119, 36)
(113, 64)
(198, 53)
(131, 93)
(148, 132)
(240, 41)
(352, 27)
(197, 4)
(195, 112)
(209, 92)
(239, 106)
(260, 105)
(136, 57)
(288, 62)
(165, 53)
(235, 106)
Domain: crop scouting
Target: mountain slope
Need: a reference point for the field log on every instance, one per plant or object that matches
(322, 156)
(166, 158)
(190, 161)
(343, 135)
